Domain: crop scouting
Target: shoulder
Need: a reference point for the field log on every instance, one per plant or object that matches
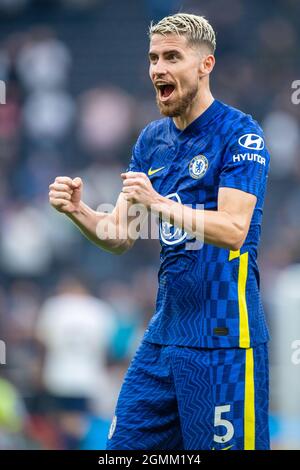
(240, 121)
(242, 129)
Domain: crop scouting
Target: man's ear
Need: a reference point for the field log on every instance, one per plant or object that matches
(206, 65)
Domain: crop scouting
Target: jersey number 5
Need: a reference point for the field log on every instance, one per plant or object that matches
(219, 421)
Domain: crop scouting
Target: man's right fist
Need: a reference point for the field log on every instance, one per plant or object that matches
(65, 194)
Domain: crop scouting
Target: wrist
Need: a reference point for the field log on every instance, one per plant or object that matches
(160, 204)
(74, 214)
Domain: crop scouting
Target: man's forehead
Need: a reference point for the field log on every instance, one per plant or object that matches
(160, 42)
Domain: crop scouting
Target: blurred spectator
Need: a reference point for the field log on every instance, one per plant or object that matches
(10, 114)
(22, 237)
(286, 302)
(12, 417)
(282, 133)
(105, 118)
(43, 62)
(48, 115)
(76, 330)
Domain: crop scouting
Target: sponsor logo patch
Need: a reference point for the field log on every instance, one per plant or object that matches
(252, 141)
(251, 157)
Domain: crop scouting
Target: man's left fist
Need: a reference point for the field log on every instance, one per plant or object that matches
(137, 188)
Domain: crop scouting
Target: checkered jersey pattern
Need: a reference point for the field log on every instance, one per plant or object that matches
(177, 397)
(199, 298)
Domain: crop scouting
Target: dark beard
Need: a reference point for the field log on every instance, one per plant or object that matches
(178, 108)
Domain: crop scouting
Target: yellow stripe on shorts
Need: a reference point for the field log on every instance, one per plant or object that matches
(249, 402)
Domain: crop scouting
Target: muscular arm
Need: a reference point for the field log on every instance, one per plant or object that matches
(108, 231)
(226, 228)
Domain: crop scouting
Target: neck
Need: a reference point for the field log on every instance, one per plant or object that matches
(201, 102)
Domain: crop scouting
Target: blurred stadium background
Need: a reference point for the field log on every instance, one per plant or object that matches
(78, 94)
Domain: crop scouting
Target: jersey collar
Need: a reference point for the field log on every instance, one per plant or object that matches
(201, 121)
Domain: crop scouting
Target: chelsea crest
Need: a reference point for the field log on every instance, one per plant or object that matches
(198, 166)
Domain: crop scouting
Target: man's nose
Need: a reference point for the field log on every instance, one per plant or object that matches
(159, 69)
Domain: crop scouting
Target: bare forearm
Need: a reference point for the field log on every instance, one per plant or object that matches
(99, 228)
(214, 227)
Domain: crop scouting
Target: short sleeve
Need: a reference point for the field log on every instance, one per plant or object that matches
(245, 161)
(136, 163)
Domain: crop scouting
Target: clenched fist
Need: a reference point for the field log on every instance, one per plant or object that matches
(137, 188)
(65, 194)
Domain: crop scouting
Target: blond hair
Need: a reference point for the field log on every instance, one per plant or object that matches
(195, 28)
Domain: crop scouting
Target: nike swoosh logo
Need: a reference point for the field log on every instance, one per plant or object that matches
(152, 172)
(225, 448)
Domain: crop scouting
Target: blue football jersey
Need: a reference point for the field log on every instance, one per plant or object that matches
(208, 297)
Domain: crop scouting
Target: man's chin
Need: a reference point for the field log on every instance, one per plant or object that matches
(168, 110)
(177, 107)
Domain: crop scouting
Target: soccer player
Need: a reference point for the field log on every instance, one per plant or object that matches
(199, 379)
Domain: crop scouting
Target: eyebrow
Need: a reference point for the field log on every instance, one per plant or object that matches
(168, 52)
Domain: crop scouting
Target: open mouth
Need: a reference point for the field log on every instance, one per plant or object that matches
(165, 91)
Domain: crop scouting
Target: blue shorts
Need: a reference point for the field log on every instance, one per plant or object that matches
(182, 398)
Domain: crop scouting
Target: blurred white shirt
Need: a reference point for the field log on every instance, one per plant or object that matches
(76, 331)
